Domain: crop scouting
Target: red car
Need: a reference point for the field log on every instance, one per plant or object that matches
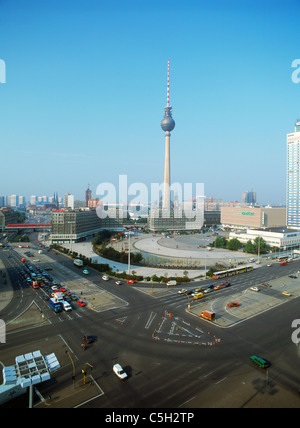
(233, 304)
(130, 281)
(63, 289)
(81, 303)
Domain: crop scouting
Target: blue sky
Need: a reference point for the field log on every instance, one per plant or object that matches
(85, 93)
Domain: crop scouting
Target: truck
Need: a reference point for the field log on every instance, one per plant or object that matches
(66, 306)
(55, 305)
(208, 315)
(78, 262)
(59, 296)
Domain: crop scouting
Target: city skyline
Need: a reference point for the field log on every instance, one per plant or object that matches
(85, 84)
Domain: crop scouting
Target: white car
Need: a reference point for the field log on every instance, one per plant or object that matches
(183, 291)
(118, 370)
(254, 288)
(118, 282)
(105, 278)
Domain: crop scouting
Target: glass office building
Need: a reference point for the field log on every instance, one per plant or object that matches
(293, 178)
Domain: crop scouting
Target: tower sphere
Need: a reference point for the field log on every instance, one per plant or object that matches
(168, 123)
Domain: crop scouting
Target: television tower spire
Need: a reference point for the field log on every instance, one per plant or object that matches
(167, 125)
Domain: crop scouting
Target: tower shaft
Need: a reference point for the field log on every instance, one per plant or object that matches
(167, 175)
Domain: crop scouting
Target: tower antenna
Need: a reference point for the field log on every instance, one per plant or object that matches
(168, 85)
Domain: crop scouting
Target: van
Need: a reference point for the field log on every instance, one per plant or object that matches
(67, 307)
(173, 282)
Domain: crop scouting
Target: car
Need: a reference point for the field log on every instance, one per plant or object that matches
(233, 304)
(190, 292)
(130, 281)
(81, 303)
(63, 289)
(269, 265)
(225, 284)
(266, 284)
(254, 289)
(260, 362)
(207, 290)
(183, 291)
(88, 338)
(105, 278)
(85, 272)
(293, 276)
(285, 293)
(217, 287)
(118, 282)
(119, 371)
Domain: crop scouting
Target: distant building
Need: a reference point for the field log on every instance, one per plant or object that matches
(69, 201)
(88, 196)
(249, 198)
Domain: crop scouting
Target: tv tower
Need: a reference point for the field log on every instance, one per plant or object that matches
(167, 125)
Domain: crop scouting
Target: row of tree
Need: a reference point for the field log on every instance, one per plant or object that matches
(259, 245)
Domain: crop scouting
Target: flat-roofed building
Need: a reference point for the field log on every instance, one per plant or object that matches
(253, 217)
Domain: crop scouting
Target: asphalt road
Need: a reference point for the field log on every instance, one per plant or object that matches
(173, 359)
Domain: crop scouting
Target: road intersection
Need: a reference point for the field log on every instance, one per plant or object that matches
(172, 357)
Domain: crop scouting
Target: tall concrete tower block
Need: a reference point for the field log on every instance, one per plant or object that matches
(167, 125)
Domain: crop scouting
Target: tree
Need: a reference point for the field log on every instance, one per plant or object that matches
(220, 242)
(249, 247)
(234, 244)
(261, 245)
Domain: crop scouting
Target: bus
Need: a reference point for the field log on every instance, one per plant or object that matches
(282, 259)
(231, 272)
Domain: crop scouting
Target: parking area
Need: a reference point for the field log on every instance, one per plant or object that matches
(248, 303)
(95, 297)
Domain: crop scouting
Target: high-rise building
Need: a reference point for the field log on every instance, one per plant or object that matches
(69, 201)
(167, 125)
(293, 178)
(249, 197)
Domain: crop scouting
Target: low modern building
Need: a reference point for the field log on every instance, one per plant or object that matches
(253, 217)
(69, 226)
(284, 239)
(175, 220)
